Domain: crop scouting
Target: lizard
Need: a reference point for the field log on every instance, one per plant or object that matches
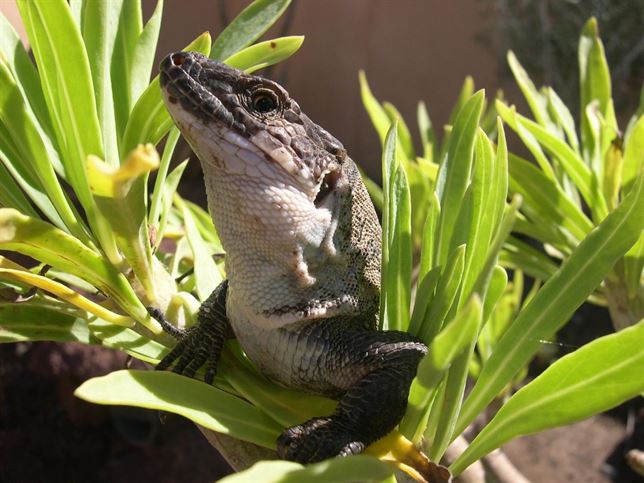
(303, 255)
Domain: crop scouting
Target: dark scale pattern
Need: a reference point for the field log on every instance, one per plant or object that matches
(202, 343)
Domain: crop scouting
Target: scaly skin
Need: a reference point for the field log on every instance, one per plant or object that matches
(302, 243)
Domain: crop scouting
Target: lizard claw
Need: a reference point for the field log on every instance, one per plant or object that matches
(195, 347)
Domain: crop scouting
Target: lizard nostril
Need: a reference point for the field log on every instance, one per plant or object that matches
(178, 58)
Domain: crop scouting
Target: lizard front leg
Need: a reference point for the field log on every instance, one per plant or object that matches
(202, 343)
(370, 407)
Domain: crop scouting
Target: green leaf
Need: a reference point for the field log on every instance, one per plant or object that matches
(457, 335)
(23, 70)
(404, 136)
(429, 237)
(30, 157)
(398, 281)
(126, 340)
(446, 293)
(467, 90)
(633, 155)
(424, 297)
(11, 196)
(583, 178)
(99, 23)
(130, 24)
(594, 80)
(396, 252)
(63, 292)
(427, 133)
(511, 118)
(561, 114)
(482, 219)
(377, 113)
(266, 53)
(143, 54)
(544, 201)
(42, 241)
(337, 470)
(578, 276)
(120, 194)
(162, 178)
(207, 275)
(455, 171)
(247, 27)
(28, 322)
(454, 387)
(149, 120)
(590, 380)
(536, 101)
(67, 84)
(201, 403)
(519, 255)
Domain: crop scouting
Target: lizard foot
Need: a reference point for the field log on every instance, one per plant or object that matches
(315, 440)
(199, 345)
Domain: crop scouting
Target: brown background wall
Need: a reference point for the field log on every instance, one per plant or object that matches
(410, 50)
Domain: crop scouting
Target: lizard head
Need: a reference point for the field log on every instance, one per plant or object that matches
(276, 181)
(248, 125)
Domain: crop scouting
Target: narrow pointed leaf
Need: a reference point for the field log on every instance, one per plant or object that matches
(264, 54)
(579, 275)
(590, 380)
(457, 170)
(165, 391)
(338, 470)
(247, 27)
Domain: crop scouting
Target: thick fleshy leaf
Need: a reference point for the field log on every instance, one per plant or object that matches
(31, 322)
(44, 242)
(65, 293)
(590, 380)
(99, 25)
(30, 156)
(143, 54)
(338, 470)
(17, 59)
(457, 335)
(130, 25)
(67, 84)
(544, 200)
(204, 404)
(266, 53)
(455, 171)
(247, 27)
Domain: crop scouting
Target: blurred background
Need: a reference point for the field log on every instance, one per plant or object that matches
(410, 50)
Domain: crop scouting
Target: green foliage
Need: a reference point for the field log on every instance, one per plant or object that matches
(79, 119)
(578, 200)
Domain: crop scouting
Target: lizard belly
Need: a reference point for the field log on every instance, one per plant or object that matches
(286, 354)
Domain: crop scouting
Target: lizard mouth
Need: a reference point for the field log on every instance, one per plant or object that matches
(195, 81)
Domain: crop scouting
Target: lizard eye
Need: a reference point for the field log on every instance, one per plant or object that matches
(264, 101)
